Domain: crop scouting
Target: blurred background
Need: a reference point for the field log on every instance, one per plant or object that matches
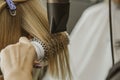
(77, 7)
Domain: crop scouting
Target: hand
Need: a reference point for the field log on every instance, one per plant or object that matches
(17, 60)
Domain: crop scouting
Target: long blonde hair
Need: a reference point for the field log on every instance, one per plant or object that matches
(31, 18)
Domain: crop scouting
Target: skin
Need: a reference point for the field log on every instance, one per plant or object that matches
(17, 60)
(117, 1)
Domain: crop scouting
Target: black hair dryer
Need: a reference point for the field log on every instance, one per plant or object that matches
(58, 14)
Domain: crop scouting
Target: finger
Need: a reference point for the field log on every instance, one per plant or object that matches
(30, 59)
(14, 54)
(24, 40)
(4, 55)
(5, 60)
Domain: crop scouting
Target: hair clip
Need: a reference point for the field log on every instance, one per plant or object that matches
(12, 7)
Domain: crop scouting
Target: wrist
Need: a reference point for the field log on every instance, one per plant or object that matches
(18, 75)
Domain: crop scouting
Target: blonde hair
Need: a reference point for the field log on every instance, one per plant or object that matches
(31, 18)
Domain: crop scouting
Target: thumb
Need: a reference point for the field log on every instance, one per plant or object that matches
(24, 40)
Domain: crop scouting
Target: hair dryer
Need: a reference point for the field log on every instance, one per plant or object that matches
(58, 14)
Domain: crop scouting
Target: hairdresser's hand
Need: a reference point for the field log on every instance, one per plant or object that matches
(17, 60)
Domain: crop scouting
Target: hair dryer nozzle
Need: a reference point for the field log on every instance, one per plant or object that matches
(58, 14)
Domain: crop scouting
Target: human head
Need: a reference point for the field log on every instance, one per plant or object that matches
(114, 73)
(31, 20)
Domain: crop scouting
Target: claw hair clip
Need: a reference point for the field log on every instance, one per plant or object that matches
(12, 7)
